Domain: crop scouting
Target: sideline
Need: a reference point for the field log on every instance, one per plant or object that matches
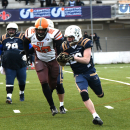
(107, 79)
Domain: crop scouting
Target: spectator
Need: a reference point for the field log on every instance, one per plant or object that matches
(71, 3)
(79, 3)
(90, 36)
(85, 35)
(32, 1)
(61, 3)
(54, 3)
(4, 3)
(42, 2)
(97, 41)
(48, 3)
(26, 2)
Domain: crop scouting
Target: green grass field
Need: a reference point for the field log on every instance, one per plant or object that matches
(36, 115)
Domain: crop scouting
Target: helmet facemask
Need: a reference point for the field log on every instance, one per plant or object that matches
(11, 32)
(12, 29)
(41, 33)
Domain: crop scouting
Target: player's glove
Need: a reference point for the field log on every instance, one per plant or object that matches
(22, 52)
(27, 59)
(63, 58)
(28, 62)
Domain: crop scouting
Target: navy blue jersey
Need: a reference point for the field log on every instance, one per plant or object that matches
(78, 50)
(11, 48)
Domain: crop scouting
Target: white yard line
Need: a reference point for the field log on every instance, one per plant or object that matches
(107, 79)
(115, 81)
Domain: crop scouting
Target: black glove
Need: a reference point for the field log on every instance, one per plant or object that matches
(22, 52)
(70, 57)
(64, 57)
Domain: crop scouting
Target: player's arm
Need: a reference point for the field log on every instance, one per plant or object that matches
(58, 44)
(26, 46)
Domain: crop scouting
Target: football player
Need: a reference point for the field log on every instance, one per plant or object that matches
(59, 87)
(42, 39)
(81, 62)
(12, 62)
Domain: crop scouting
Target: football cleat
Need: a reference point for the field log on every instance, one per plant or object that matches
(62, 110)
(21, 97)
(54, 111)
(8, 100)
(98, 121)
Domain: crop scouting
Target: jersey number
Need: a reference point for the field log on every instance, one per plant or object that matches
(77, 55)
(13, 46)
(44, 49)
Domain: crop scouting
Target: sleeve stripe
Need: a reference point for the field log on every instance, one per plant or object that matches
(84, 41)
(58, 35)
(3, 37)
(26, 33)
(64, 46)
(20, 35)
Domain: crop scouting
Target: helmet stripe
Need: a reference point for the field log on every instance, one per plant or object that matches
(40, 22)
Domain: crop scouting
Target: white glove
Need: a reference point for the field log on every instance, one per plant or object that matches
(24, 58)
(2, 71)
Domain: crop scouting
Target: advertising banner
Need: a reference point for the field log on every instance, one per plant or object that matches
(124, 8)
(75, 12)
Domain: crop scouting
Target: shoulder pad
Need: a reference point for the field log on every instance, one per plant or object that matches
(55, 33)
(30, 32)
(3, 37)
(64, 46)
(21, 35)
(87, 43)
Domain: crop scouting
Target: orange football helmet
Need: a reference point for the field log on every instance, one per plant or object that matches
(41, 26)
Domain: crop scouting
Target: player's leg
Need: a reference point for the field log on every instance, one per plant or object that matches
(21, 77)
(53, 74)
(82, 86)
(100, 47)
(42, 72)
(95, 84)
(60, 90)
(10, 76)
(97, 46)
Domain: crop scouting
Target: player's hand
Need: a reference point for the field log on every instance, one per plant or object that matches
(28, 60)
(22, 52)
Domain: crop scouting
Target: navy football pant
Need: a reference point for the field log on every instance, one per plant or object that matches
(20, 74)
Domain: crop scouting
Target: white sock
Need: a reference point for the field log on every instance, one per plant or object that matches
(95, 115)
(9, 95)
(21, 92)
(61, 104)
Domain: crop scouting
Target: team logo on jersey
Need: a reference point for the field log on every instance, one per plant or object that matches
(47, 39)
(26, 13)
(4, 15)
(58, 12)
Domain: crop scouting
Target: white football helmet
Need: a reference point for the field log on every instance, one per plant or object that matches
(73, 30)
(50, 22)
(12, 25)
